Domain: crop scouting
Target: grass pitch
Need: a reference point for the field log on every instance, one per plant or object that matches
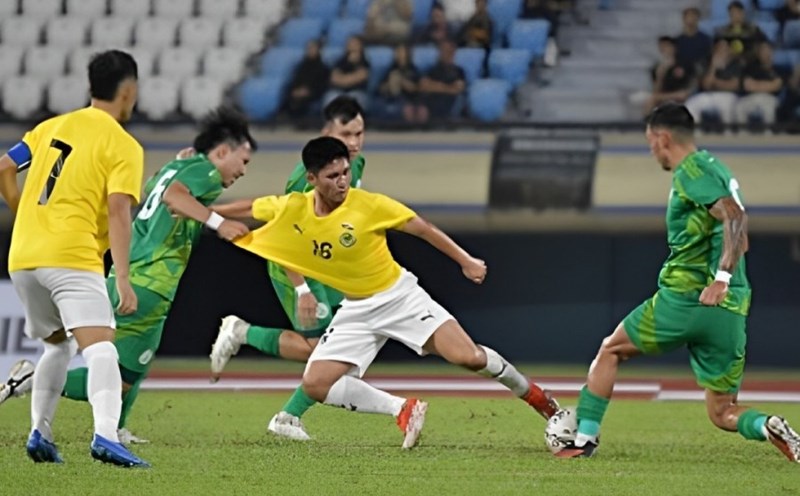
(216, 443)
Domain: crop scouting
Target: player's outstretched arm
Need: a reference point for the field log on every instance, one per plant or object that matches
(180, 201)
(240, 209)
(473, 268)
(119, 233)
(734, 244)
(8, 182)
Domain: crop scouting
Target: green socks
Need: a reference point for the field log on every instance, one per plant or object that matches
(751, 425)
(264, 339)
(127, 403)
(75, 388)
(591, 409)
(299, 403)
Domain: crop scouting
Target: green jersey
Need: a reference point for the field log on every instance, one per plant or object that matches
(297, 181)
(695, 237)
(160, 243)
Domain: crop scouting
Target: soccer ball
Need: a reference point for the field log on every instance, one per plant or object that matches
(561, 429)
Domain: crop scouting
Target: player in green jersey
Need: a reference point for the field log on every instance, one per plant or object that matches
(165, 230)
(309, 304)
(703, 297)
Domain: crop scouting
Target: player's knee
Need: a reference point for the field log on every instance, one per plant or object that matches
(472, 359)
(316, 386)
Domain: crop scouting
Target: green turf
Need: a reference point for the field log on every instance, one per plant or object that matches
(215, 443)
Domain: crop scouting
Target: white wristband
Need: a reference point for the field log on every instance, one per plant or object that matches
(215, 220)
(723, 276)
(302, 289)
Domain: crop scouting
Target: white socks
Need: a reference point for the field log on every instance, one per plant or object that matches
(356, 395)
(48, 382)
(499, 369)
(104, 388)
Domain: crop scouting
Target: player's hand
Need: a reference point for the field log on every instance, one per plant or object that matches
(186, 153)
(230, 230)
(474, 270)
(127, 298)
(713, 294)
(307, 311)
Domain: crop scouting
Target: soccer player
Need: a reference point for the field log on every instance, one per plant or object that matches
(703, 297)
(84, 174)
(337, 235)
(309, 304)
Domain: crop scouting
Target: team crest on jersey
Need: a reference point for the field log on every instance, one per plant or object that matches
(145, 357)
(347, 239)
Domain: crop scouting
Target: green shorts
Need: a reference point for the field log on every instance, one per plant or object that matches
(328, 300)
(138, 335)
(715, 337)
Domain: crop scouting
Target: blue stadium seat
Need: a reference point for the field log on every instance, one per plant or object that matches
(320, 9)
(380, 59)
(771, 30)
(424, 57)
(357, 8)
(331, 54)
(471, 61)
(487, 99)
(530, 34)
(298, 32)
(422, 12)
(510, 64)
(503, 13)
(260, 97)
(281, 61)
(710, 26)
(771, 4)
(791, 34)
(341, 30)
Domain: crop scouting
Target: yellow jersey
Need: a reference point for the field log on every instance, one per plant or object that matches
(77, 160)
(345, 250)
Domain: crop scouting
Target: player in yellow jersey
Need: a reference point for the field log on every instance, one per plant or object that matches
(84, 174)
(337, 236)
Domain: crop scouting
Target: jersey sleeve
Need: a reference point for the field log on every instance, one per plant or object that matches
(297, 180)
(702, 185)
(127, 169)
(203, 182)
(389, 213)
(267, 208)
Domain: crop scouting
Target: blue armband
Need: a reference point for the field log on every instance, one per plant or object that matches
(21, 155)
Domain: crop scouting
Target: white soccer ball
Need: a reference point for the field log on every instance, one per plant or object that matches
(561, 429)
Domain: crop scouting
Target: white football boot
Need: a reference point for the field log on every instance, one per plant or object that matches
(20, 380)
(232, 335)
(286, 425)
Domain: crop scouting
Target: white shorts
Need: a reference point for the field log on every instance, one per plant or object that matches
(404, 312)
(62, 299)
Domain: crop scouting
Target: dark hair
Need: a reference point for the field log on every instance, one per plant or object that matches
(107, 70)
(223, 125)
(691, 10)
(342, 108)
(320, 152)
(736, 4)
(673, 117)
(666, 39)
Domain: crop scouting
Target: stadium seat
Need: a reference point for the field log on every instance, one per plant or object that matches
(223, 64)
(356, 8)
(130, 9)
(22, 96)
(66, 94)
(158, 97)
(509, 64)
(331, 54)
(530, 34)
(771, 30)
(269, 10)
(771, 4)
(281, 61)
(503, 13)
(200, 32)
(340, 30)
(65, 32)
(78, 60)
(710, 26)
(244, 33)
(217, 9)
(9, 9)
(155, 32)
(42, 9)
(380, 59)
(20, 31)
(320, 9)
(173, 9)
(45, 62)
(487, 99)
(260, 98)
(87, 9)
(471, 62)
(199, 95)
(10, 62)
(111, 31)
(422, 12)
(424, 57)
(298, 32)
(145, 60)
(791, 34)
(178, 62)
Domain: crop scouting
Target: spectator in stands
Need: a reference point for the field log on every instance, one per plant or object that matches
(760, 87)
(789, 111)
(671, 81)
(350, 75)
(477, 31)
(438, 29)
(788, 12)
(741, 34)
(399, 88)
(693, 46)
(719, 86)
(458, 11)
(309, 82)
(388, 22)
(548, 10)
(442, 86)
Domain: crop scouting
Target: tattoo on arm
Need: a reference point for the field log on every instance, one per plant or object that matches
(734, 225)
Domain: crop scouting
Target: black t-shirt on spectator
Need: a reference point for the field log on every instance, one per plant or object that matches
(677, 78)
(446, 73)
(346, 67)
(693, 50)
(408, 72)
(314, 74)
(758, 72)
